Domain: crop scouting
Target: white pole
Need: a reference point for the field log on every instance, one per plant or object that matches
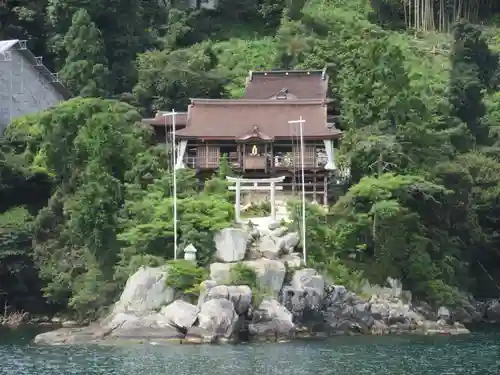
(301, 130)
(175, 175)
(237, 204)
(273, 201)
(175, 184)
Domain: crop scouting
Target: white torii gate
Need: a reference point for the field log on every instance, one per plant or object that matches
(255, 187)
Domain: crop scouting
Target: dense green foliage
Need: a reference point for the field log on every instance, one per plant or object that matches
(86, 199)
(241, 274)
(185, 277)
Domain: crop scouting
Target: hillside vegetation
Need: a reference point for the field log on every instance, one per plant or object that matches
(86, 198)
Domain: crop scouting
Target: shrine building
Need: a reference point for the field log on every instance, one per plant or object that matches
(255, 134)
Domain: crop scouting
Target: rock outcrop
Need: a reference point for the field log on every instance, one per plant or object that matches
(305, 306)
(300, 303)
(270, 273)
(272, 321)
(145, 291)
(231, 244)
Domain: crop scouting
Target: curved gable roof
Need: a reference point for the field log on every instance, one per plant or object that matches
(299, 84)
(267, 119)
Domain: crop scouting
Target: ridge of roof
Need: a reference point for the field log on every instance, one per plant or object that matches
(280, 72)
(36, 61)
(266, 102)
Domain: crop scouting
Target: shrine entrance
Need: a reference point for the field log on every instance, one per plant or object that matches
(256, 147)
(255, 184)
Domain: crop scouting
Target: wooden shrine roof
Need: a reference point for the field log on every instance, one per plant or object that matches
(159, 119)
(243, 119)
(296, 84)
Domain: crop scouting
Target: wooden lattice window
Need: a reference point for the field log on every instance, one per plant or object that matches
(201, 156)
(309, 156)
(213, 156)
(208, 156)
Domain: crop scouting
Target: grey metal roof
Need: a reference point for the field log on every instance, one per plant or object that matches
(5, 45)
(20, 46)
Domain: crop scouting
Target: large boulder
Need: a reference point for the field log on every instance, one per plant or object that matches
(305, 292)
(180, 314)
(293, 260)
(231, 244)
(493, 311)
(150, 327)
(205, 287)
(239, 295)
(308, 278)
(68, 336)
(346, 312)
(289, 241)
(272, 321)
(278, 242)
(217, 320)
(444, 313)
(270, 273)
(145, 291)
(134, 316)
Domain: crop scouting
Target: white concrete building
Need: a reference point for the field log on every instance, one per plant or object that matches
(26, 85)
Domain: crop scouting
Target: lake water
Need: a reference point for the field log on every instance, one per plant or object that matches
(475, 354)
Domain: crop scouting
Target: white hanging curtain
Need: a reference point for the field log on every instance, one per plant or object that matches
(181, 150)
(330, 153)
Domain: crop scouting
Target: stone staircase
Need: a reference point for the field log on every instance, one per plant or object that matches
(281, 210)
(263, 223)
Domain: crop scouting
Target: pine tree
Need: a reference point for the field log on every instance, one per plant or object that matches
(85, 71)
(473, 68)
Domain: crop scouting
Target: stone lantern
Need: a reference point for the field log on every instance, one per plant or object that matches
(190, 253)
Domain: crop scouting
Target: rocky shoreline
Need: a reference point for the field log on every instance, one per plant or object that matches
(307, 307)
(297, 303)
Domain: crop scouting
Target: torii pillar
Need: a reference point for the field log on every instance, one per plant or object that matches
(272, 189)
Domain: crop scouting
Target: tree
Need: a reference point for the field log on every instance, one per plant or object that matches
(85, 71)
(88, 145)
(293, 43)
(473, 67)
(170, 79)
(127, 29)
(147, 219)
(20, 286)
(394, 225)
(375, 86)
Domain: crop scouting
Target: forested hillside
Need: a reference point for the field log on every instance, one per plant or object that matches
(85, 197)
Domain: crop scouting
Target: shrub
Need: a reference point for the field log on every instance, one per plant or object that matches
(260, 209)
(241, 274)
(338, 273)
(185, 278)
(441, 294)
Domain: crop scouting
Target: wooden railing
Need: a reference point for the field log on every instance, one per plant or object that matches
(259, 162)
(254, 162)
(209, 163)
(293, 160)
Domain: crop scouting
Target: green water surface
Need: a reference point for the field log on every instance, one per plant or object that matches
(478, 353)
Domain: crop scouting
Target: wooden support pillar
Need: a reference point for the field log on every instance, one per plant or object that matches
(237, 204)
